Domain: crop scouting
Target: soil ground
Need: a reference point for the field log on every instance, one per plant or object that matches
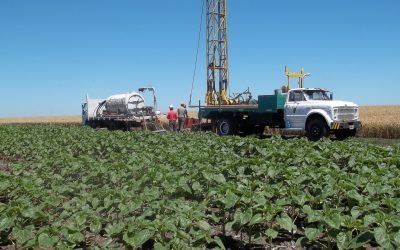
(4, 167)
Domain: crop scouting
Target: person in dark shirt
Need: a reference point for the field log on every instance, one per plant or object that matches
(182, 115)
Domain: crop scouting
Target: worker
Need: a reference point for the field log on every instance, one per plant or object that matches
(182, 115)
(172, 116)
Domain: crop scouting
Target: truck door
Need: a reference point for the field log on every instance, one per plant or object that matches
(295, 110)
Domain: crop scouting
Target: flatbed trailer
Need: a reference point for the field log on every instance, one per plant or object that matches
(246, 118)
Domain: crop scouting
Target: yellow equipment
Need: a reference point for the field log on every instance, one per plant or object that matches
(300, 75)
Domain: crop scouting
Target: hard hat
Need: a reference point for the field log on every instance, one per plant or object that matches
(171, 106)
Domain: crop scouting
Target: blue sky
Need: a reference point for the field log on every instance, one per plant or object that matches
(53, 53)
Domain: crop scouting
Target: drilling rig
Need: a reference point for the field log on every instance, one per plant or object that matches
(310, 111)
(217, 53)
(217, 56)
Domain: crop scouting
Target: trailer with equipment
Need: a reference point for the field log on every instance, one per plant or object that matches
(123, 111)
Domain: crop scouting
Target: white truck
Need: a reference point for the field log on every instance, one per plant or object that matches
(309, 111)
(123, 111)
(314, 111)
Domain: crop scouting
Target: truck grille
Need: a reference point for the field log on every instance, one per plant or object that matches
(346, 114)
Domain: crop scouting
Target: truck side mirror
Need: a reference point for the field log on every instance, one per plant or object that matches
(331, 96)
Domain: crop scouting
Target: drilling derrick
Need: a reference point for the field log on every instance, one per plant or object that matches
(217, 53)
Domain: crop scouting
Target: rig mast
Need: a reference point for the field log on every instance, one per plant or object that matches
(217, 53)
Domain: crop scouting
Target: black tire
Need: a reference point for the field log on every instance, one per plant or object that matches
(316, 129)
(226, 126)
(343, 134)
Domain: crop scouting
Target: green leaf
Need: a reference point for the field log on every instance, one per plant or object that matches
(33, 213)
(333, 220)
(229, 225)
(342, 240)
(260, 199)
(183, 235)
(396, 238)
(300, 198)
(46, 241)
(220, 178)
(246, 216)
(80, 219)
(361, 240)
(204, 225)
(138, 239)
(95, 226)
(95, 202)
(2, 205)
(23, 235)
(312, 233)
(114, 229)
(271, 233)
(159, 246)
(230, 200)
(196, 186)
(286, 222)
(381, 237)
(256, 219)
(219, 242)
(6, 223)
(368, 220)
(301, 242)
(355, 195)
(75, 237)
(355, 212)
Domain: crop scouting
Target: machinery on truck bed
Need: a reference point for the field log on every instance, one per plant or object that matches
(123, 111)
(305, 110)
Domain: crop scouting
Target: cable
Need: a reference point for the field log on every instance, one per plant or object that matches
(197, 52)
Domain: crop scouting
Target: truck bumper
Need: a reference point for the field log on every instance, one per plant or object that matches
(345, 125)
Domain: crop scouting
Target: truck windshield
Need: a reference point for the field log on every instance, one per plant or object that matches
(316, 95)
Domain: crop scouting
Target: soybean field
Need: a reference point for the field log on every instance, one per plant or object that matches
(65, 187)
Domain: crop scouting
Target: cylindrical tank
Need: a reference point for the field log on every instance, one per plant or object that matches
(130, 103)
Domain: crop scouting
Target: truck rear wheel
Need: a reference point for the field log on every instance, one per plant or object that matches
(316, 129)
(226, 126)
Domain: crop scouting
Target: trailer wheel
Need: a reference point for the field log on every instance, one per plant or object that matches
(316, 129)
(226, 126)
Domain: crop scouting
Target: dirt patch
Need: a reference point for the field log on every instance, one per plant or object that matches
(4, 167)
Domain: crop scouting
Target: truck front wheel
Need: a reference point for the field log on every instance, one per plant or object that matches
(226, 126)
(316, 129)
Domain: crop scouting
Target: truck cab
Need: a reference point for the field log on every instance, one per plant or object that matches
(313, 111)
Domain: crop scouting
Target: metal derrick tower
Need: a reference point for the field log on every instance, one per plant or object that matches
(217, 52)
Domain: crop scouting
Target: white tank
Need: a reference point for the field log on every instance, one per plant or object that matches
(125, 103)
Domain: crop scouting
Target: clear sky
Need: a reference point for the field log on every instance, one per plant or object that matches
(53, 53)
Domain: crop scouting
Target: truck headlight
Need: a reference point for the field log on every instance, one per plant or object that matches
(356, 113)
(335, 112)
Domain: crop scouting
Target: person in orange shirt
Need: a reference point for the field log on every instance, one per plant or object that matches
(172, 116)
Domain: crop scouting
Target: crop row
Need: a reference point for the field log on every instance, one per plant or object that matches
(72, 187)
